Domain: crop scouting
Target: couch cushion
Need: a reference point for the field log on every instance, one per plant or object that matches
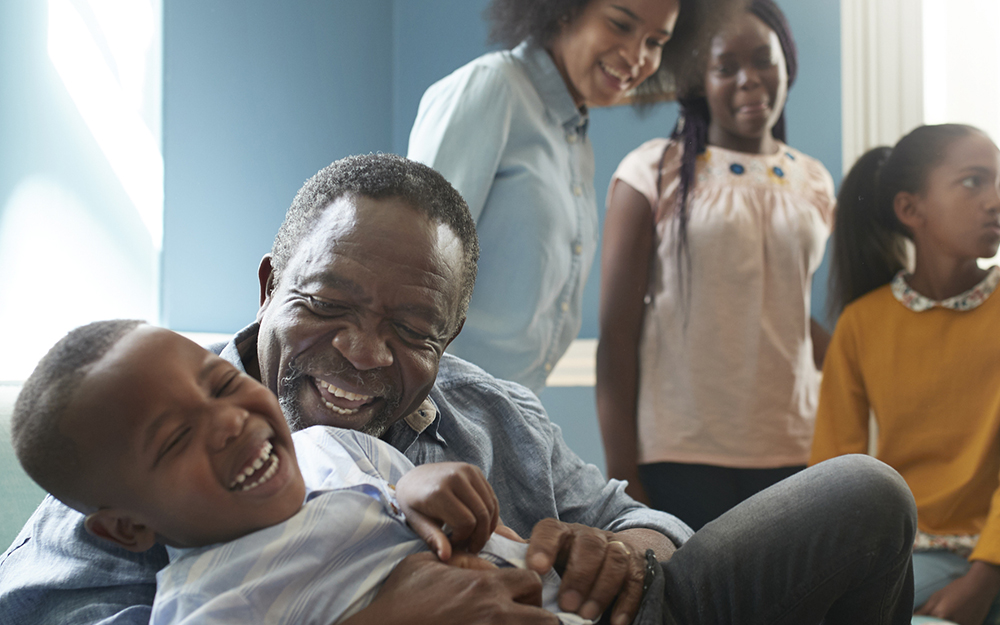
(18, 494)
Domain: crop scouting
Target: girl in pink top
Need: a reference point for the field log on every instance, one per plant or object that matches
(707, 376)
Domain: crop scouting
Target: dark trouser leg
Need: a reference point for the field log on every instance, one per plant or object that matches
(699, 493)
(831, 542)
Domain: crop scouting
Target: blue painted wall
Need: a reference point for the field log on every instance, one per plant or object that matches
(258, 96)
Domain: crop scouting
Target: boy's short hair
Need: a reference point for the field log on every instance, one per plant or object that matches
(48, 456)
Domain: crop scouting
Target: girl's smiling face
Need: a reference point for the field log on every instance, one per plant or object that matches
(611, 46)
(957, 213)
(746, 84)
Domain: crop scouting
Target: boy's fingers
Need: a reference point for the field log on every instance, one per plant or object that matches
(432, 534)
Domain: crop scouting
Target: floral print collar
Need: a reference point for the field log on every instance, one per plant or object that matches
(961, 302)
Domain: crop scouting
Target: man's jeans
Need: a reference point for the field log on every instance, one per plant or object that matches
(831, 544)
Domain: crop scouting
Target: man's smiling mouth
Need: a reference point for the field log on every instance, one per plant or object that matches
(255, 473)
(351, 402)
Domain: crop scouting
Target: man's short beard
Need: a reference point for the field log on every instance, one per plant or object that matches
(291, 386)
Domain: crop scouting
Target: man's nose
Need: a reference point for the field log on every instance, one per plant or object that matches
(365, 348)
(226, 422)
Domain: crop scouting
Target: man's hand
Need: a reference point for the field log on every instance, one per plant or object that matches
(452, 493)
(422, 590)
(966, 600)
(596, 566)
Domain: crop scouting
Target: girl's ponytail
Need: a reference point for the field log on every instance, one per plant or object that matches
(867, 247)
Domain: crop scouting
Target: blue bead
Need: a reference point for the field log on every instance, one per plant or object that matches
(736, 168)
(777, 172)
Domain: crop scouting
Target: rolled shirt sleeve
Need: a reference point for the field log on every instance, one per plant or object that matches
(502, 428)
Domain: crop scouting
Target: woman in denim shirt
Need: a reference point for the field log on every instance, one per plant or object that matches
(509, 131)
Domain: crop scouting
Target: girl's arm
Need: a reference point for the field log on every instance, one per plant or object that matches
(820, 340)
(625, 264)
(842, 416)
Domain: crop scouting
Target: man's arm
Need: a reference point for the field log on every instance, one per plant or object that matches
(55, 572)
(599, 541)
(422, 590)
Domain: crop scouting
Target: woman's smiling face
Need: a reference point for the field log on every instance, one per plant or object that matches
(611, 46)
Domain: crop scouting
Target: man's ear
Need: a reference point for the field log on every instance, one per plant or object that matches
(906, 205)
(120, 528)
(265, 275)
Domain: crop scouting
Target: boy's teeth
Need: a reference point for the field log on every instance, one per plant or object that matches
(271, 470)
(339, 392)
(265, 454)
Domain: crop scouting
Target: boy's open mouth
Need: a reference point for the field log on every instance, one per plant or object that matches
(260, 470)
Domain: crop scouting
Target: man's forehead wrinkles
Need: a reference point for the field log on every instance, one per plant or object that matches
(324, 278)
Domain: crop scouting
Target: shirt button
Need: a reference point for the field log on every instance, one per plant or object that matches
(577, 248)
(577, 190)
(565, 306)
(571, 138)
(548, 366)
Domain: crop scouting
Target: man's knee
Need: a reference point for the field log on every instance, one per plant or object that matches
(870, 493)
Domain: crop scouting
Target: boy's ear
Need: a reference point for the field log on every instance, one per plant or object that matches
(906, 205)
(120, 528)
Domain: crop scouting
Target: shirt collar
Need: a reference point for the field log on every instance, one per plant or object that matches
(551, 87)
(421, 418)
(972, 298)
(243, 344)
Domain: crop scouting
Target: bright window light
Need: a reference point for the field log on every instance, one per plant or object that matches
(962, 67)
(106, 97)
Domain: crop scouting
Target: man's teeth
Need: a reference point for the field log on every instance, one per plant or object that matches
(340, 410)
(339, 392)
(264, 456)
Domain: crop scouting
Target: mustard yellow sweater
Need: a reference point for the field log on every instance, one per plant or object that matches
(932, 379)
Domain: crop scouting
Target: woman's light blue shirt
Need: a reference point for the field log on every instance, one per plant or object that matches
(504, 130)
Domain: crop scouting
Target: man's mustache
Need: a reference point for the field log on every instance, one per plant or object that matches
(373, 382)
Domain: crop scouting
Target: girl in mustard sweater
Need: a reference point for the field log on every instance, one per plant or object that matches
(921, 351)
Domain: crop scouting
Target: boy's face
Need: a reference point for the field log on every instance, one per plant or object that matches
(191, 448)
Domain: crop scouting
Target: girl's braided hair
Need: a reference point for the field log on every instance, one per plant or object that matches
(694, 119)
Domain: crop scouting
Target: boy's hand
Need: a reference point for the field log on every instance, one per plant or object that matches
(455, 494)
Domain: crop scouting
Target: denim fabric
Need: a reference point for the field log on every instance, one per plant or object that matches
(502, 428)
(935, 569)
(505, 132)
(55, 572)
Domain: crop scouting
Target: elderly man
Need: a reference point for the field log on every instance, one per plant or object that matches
(366, 285)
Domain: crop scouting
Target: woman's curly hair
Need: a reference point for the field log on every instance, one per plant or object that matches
(513, 21)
